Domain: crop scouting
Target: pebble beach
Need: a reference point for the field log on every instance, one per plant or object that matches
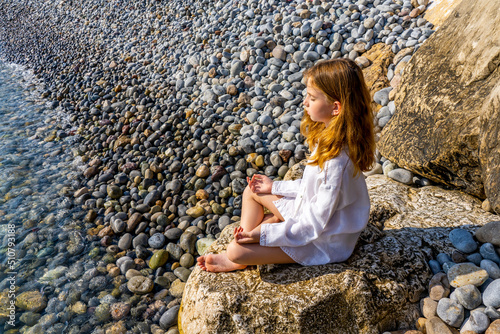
(141, 121)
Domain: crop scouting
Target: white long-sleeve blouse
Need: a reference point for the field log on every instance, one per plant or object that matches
(324, 213)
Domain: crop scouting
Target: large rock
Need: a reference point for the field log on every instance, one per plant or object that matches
(380, 57)
(448, 105)
(438, 11)
(377, 289)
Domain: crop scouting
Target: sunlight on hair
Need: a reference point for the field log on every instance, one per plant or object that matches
(341, 80)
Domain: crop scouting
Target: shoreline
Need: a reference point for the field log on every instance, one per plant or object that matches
(174, 104)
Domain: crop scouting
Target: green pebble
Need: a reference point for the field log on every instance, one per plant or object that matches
(102, 312)
(30, 318)
(218, 209)
(200, 184)
(94, 253)
(108, 258)
(158, 259)
(225, 193)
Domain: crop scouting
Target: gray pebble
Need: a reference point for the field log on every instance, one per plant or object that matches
(188, 242)
(468, 296)
(183, 273)
(401, 175)
(475, 258)
(488, 252)
(186, 260)
(223, 222)
(491, 267)
(126, 265)
(462, 240)
(157, 241)
(175, 251)
(118, 226)
(450, 312)
(173, 233)
(169, 318)
(125, 241)
(265, 120)
(383, 121)
(492, 313)
(491, 295)
(140, 240)
(477, 322)
(382, 96)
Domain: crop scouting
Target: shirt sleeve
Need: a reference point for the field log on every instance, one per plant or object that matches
(307, 225)
(286, 188)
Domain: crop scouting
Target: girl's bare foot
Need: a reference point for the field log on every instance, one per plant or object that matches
(217, 263)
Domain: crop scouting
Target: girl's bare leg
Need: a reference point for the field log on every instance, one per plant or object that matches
(239, 256)
(252, 212)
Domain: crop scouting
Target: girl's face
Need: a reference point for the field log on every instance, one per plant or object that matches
(318, 107)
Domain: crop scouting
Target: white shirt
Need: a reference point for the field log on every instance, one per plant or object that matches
(331, 208)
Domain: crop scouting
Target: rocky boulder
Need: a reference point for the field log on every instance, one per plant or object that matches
(380, 57)
(438, 11)
(377, 289)
(448, 105)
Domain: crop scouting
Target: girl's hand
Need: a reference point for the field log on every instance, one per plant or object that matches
(260, 184)
(243, 237)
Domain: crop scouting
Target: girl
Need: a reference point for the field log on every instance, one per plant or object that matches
(317, 219)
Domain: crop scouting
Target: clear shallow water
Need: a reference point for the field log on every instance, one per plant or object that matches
(38, 175)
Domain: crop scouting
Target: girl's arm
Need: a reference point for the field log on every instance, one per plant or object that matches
(286, 188)
(311, 219)
(261, 184)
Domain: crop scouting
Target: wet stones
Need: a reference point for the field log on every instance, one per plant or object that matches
(133, 221)
(187, 242)
(158, 259)
(140, 285)
(169, 318)
(32, 301)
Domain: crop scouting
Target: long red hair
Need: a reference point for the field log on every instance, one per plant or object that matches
(341, 80)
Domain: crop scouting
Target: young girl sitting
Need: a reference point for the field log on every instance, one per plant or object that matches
(317, 219)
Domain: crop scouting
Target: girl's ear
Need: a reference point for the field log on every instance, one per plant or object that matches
(336, 108)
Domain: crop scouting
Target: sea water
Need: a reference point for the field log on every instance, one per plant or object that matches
(38, 221)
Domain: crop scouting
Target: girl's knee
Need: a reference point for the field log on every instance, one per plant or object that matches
(247, 191)
(235, 253)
